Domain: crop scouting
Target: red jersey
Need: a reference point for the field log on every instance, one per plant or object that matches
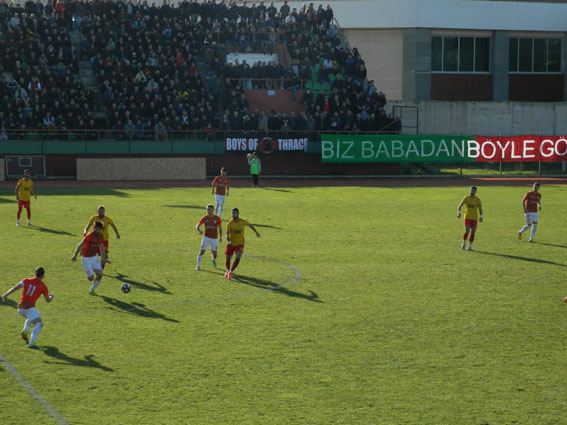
(92, 244)
(33, 288)
(211, 225)
(531, 200)
(221, 183)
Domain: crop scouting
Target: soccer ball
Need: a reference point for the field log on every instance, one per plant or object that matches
(249, 156)
(125, 288)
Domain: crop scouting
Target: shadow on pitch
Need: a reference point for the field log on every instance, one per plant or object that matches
(46, 230)
(65, 359)
(267, 226)
(9, 303)
(192, 207)
(140, 285)
(8, 201)
(138, 309)
(550, 244)
(276, 190)
(272, 286)
(517, 257)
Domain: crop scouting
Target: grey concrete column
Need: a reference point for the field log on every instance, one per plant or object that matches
(499, 65)
(416, 83)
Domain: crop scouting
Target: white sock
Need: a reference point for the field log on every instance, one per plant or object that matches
(199, 258)
(27, 325)
(94, 285)
(534, 227)
(220, 210)
(523, 229)
(35, 332)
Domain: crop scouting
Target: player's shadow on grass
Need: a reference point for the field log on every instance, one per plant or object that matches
(88, 361)
(158, 288)
(192, 207)
(138, 309)
(550, 244)
(517, 257)
(52, 231)
(267, 226)
(8, 201)
(9, 303)
(272, 286)
(276, 190)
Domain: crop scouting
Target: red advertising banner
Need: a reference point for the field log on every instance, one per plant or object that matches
(518, 149)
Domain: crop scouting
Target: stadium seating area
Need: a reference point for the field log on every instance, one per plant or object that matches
(161, 71)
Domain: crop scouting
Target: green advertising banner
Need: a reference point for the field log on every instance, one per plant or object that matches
(395, 148)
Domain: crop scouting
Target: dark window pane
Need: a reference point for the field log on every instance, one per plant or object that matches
(466, 54)
(481, 55)
(526, 55)
(450, 54)
(513, 57)
(540, 53)
(436, 53)
(554, 55)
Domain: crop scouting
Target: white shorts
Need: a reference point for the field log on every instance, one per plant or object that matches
(90, 264)
(219, 199)
(531, 217)
(29, 313)
(206, 242)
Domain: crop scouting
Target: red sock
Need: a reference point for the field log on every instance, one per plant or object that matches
(465, 236)
(235, 263)
(19, 212)
(471, 239)
(227, 262)
(29, 213)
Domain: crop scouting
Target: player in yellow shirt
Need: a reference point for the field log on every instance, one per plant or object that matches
(106, 221)
(24, 190)
(473, 214)
(235, 238)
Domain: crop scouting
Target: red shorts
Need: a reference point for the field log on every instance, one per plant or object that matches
(25, 204)
(231, 249)
(105, 243)
(470, 223)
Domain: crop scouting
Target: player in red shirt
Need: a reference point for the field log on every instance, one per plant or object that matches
(213, 234)
(531, 203)
(220, 189)
(33, 288)
(91, 246)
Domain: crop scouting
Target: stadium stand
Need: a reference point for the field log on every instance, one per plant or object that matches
(119, 70)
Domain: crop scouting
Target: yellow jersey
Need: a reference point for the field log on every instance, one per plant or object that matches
(106, 221)
(235, 231)
(24, 189)
(472, 204)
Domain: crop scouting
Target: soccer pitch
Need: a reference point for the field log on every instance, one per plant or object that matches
(356, 306)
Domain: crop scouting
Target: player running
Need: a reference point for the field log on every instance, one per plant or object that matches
(220, 190)
(531, 203)
(473, 207)
(235, 238)
(91, 246)
(24, 188)
(106, 221)
(33, 288)
(212, 236)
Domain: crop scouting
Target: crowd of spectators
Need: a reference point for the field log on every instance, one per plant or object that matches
(163, 69)
(40, 87)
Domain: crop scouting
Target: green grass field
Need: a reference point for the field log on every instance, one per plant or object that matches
(356, 306)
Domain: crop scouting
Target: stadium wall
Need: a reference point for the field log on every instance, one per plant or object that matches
(274, 164)
(141, 169)
(486, 118)
(2, 170)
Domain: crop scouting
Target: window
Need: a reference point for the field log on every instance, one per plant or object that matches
(535, 54)
(459, 54)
